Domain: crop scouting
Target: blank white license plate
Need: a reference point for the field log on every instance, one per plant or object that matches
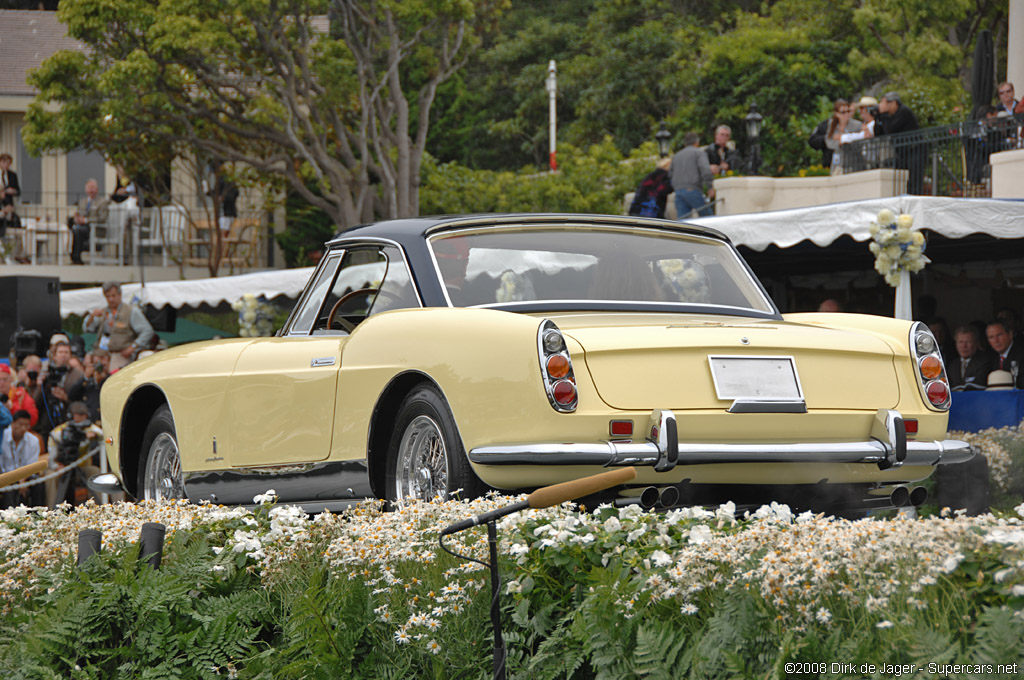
(755, 378)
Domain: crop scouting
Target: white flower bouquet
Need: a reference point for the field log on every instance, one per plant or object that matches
(897, 246)
(255, 316)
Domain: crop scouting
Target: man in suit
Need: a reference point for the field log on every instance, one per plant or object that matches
(90, 210)
(895, 117)
(9, 188)
(970, 368)
(1008, 354)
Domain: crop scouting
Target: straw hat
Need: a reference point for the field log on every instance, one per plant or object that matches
(1000, 380)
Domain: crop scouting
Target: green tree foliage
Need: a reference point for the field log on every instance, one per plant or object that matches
(265, 84)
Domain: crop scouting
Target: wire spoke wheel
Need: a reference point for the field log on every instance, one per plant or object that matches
(163, 480)
(422, 469)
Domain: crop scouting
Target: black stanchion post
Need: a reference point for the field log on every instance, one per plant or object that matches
(89, 541)
(152, 543)
(499, 640)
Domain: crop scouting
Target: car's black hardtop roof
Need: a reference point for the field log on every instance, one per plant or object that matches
(416, 228)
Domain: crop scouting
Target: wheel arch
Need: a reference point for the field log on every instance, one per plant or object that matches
(138, 411)
(382, 422)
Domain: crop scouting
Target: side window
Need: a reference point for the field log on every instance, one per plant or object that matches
(396, 290)
(311, 305)
(370, 280)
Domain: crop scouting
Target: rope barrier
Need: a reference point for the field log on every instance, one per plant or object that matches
(56, 473)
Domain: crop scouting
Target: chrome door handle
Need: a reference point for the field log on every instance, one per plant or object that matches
(321, 361)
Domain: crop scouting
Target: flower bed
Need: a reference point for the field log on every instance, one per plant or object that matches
(612, 593)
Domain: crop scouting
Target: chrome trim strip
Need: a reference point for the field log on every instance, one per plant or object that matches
(613, 454)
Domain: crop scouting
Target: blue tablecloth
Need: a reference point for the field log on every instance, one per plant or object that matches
(980, 409)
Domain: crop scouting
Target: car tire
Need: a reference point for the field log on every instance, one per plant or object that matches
(160, 476)
(425, 457)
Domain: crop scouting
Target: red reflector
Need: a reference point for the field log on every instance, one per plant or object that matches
(911, 425)
(621, 428)
(564, 392)
(938, 392)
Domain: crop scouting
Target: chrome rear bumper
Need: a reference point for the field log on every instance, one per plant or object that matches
(887, 447)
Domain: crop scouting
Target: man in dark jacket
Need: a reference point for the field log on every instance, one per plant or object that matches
(970, 369)
(893, 118)
(817, 141)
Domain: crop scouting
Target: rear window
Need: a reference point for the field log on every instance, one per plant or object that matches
(585, 264)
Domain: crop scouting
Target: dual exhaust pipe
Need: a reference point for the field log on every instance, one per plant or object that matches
(654, 497)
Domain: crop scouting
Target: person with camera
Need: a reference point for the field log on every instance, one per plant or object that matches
(67, 443)
(16, 397)
(52, 397)
(19, 447)
(121, 328)
(87, 389)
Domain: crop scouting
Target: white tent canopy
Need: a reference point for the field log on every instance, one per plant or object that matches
(950, 217)
(177, 294)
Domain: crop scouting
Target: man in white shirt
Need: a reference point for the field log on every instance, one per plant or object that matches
(19, 447)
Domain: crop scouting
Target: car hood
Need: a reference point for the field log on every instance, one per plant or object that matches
(663, 362)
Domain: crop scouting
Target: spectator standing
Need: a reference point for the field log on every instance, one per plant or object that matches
(87, 390)
(18, 447)
(89, 211)
(652, 194)
(893, 118)
(691, 174)
(1009, 356)
(722, 154)
(120, 328)
(1007, 102)
(841, 123)
(970, 369)
(820, 134)
(55, 380)
(9, 189)
(17, 397)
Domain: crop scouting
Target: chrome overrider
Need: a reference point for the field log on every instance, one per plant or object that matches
(887, 447)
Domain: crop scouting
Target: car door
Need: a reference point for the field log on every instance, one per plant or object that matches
(283, 389)
(280, 400)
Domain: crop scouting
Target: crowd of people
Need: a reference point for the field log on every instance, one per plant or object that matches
(50, 406)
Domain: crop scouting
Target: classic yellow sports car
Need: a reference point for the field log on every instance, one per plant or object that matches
(436, 356)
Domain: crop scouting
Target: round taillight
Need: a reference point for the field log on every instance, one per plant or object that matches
(925, 343)
(553, 342)
(938, 392)
(558, 366)
(564, 392)
(931, 367)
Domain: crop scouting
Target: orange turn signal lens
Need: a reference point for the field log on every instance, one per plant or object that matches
(931, 367)
(558, 366)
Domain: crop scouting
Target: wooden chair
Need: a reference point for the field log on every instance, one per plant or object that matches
(242, 243)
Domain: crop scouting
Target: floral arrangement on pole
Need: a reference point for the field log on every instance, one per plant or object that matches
(255, 316)
(897, 246)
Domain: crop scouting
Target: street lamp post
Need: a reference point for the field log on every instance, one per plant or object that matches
(663, 136)
(754, 121)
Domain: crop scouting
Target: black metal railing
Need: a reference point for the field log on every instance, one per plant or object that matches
(947, 160)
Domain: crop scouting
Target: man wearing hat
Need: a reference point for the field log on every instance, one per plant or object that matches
(16, 398)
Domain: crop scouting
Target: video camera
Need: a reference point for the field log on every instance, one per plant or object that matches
(71, 439)
(55, 377)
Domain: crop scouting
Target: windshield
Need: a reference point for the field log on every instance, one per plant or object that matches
(519, 266)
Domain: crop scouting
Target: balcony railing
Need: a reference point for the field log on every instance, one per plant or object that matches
(947, 160)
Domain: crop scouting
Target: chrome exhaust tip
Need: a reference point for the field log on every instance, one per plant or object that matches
(669, 497)
(649, 497)
(899, 497)
(918, 495)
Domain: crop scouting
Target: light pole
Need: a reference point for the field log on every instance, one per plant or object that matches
(663, 136)
(754, 121)
(552, 88)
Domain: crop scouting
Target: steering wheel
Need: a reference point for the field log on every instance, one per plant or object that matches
(345, 324)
